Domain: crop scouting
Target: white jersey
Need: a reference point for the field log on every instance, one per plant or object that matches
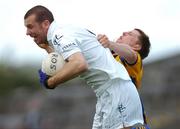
(105, 75)
(68, 40)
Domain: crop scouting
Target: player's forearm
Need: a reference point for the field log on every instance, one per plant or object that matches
(124, 50)
(68, 72)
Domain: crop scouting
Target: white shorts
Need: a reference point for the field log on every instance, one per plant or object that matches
(118, 106)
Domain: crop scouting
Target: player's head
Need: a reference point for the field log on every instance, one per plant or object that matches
(37, 21)
(138, 41)
(145, 43)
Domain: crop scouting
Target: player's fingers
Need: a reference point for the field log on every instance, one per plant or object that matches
(99, 37)
(105, 45)
(43, 45)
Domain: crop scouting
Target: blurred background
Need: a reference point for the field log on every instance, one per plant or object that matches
(25, 105)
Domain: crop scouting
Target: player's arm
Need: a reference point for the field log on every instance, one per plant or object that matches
(123, 50)
(76, 64)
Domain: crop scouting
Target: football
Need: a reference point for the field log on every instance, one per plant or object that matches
(52, 63)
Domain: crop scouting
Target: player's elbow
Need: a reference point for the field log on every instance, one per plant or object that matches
(79, 66)
(83, 66)
(78, 62)
(131, 58)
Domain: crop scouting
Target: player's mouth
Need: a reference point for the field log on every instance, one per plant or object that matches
(120, 37)
(35, 38)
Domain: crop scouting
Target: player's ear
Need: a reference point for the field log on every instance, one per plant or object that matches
(137, 47)
(46, 24)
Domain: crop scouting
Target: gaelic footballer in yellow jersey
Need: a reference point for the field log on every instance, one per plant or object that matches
(135, 70)
(130, 49)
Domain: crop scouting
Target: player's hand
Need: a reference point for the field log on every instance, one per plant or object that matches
(103, 39)
(43, 45)
(43, 77)
(46, 47)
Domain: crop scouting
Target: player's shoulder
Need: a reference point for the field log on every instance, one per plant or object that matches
(139, 59)
(69, 28)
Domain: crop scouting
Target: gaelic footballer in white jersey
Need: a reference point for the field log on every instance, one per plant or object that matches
(118, 103)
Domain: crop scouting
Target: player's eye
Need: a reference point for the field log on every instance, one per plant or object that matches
(29, 26)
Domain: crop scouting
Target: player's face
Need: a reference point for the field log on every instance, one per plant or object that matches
(36, 30)
(131, 38)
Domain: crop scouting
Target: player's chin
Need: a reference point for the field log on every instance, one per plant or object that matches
(37, 42)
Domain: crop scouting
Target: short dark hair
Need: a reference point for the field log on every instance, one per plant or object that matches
(145, 44)
(41, 12)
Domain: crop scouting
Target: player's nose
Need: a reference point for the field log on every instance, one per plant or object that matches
(124, 33)
(27, 32)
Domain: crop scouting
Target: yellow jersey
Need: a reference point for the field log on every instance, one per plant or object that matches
(135, 70)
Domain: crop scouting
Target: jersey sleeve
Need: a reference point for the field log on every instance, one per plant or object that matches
(66, 45)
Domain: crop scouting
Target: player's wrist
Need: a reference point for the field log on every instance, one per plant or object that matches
(49, 83)
(111, 45)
